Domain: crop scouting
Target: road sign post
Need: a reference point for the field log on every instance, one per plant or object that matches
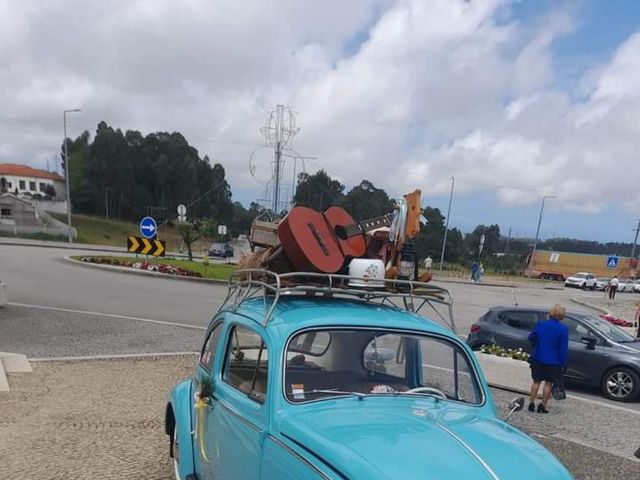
(146, 246)
(612, 261)
(148, 227)
(182, 213)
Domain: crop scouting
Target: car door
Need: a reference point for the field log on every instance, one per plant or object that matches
(237, 421)
(514, 328)
(208, 364)
(581, 358)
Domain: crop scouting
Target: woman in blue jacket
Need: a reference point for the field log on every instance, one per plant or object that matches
(550, 340)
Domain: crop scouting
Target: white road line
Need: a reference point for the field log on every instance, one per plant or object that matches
(109, 315)
(113, 357)
(602, 404)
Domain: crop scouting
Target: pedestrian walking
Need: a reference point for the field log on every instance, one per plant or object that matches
(474, 271)
(428, 263)
(550, 340)
(613, 287)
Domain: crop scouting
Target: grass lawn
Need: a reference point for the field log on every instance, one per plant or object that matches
(99, 231)
(218, 271)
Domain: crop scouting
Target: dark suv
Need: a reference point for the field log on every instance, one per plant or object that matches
(221, 250)
(600, 354)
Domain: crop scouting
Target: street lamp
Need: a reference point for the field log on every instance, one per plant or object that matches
(535, 243)
(446, 228)
(66, 171)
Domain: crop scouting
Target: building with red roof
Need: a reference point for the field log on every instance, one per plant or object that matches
(26, 181)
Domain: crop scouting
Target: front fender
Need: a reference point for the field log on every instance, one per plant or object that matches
(180, 403)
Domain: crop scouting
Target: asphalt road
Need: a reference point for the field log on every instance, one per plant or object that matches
(114, 313)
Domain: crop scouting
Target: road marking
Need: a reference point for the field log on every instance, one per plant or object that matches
(109, 315)
(602, 404)
(113, 357)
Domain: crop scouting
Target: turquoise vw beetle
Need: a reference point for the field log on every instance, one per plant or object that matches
(306, 376)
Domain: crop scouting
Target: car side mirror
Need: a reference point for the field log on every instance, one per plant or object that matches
(515, 405)
(590, 342)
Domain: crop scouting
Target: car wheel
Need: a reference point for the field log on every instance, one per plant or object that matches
(621, 384)
(583, 286)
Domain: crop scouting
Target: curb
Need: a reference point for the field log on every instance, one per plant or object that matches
(134, 271)
(12, 363)
(3, 294)
(589, 305)
(494, 284)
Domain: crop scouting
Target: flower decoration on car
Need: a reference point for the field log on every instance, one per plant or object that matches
(202, 398)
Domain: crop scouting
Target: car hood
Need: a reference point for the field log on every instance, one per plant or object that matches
(394, 438)
(575, 279)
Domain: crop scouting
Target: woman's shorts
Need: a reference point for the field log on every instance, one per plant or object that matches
(543, 372)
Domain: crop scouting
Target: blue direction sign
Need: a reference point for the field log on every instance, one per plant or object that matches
(148, 227)
(612, 262)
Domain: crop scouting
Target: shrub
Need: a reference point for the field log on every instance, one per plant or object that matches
(497, 350)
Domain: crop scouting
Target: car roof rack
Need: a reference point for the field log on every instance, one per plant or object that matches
(411, 295)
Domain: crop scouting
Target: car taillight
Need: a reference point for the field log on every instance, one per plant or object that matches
(475, 328)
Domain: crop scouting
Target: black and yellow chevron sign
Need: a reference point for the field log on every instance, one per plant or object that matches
(145, 246)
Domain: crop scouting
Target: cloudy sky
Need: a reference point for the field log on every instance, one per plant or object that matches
(515, 99)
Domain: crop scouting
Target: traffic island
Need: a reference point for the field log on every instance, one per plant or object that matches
(505, 373)
(3, 294)
(12, 363)
(164, 268)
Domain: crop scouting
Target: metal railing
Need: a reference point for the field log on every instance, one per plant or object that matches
(412, 296)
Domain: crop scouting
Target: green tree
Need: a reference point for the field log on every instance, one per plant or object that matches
(431, 234)
(318, 191)
(491, 240)
(190, 232)
(365, 201)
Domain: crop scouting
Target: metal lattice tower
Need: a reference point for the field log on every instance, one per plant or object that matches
(279, 130)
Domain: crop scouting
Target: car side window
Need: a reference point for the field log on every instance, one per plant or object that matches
(576, 329)
(246, 363)
(210, 347)
(525, 321)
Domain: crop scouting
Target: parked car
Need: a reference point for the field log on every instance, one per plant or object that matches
(636, 286)
(305, 385)
(221, 250)
(600, 354)
(581, 280)
(626, 285)
(602, 283)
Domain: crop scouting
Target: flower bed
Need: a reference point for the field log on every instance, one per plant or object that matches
(150, 267)
(505, 368)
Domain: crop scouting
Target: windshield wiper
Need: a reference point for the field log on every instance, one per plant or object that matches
(359, 395)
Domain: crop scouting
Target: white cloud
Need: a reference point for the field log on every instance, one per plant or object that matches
(404, 93)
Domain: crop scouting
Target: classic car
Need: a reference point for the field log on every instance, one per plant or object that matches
(312, 380)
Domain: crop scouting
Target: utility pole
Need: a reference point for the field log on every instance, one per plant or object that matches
(535, 242)
(635, 240)
(446, 227)
(66, 172)
(508, 246)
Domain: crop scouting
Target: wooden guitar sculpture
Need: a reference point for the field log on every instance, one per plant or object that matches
(323, 242)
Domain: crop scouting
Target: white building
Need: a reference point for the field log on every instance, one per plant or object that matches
(25, 181)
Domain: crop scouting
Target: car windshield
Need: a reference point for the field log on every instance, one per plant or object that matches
(580, 275)
(603, 279)
(607, 329)
(334, 363)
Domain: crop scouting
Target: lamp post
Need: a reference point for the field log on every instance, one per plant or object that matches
(446, 227)
(535, 242)
(66, 171)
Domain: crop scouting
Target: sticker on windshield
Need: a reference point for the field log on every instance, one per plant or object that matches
(297, 389)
